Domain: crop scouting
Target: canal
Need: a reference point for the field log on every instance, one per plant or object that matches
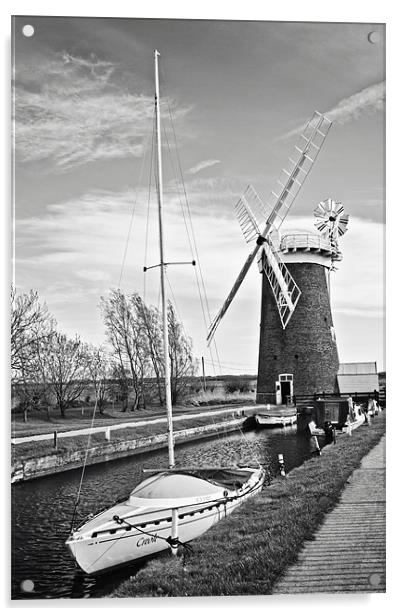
(42, 508)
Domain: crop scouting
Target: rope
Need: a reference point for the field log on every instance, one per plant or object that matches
(133, 210)
(191, 237)
(148, 206)
(171, 541)
(192, 231)
(85, 462)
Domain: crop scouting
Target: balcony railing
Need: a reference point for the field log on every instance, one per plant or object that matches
(305, 241)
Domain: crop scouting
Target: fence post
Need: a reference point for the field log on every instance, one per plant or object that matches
(317, 446)
(55, 439)
(107, 434)
(281, 465)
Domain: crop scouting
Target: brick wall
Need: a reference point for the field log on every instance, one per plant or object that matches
(305, 348)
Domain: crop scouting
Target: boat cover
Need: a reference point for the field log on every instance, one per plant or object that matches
(181, 484)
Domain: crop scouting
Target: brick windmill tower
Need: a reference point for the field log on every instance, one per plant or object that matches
(302, 357)
(298, 353)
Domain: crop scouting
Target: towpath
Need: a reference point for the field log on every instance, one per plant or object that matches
(235, 411)
(347, 553)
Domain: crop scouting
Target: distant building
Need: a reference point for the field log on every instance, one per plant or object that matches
(359, 377)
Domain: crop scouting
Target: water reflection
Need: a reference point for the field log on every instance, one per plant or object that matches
(42, 509)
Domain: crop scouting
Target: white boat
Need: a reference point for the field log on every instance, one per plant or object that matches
(274, 421)
(352, 425)
(315, 430)
(172, 506)
(142, 525)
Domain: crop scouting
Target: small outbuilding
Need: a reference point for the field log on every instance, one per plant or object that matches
(358, 378)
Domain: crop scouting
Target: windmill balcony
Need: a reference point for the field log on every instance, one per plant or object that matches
(307, 242)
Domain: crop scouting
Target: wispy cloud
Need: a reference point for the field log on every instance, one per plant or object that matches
(366, 102)
(70, 111)
(204, 164)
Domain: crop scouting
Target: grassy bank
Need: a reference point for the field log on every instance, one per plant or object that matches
(34, 449)
(247, 552)
(81, 417)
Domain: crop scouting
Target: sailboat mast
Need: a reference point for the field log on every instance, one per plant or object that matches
(168, 394)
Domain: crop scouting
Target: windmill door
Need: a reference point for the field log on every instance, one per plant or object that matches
(285, 393)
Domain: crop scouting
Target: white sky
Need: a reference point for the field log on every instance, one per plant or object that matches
(238, 93)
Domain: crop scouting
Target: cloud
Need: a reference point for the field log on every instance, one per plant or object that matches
(204, 164)
(366, 102)
(73, 253)
(70, 111)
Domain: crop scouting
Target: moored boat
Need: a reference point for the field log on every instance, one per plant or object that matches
(275, 421)
(142, 525)
(352, 425)
(173, 505)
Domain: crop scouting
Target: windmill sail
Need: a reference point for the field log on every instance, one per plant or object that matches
(245, 216)
(284, 288)
(287, 187)
(299, 165)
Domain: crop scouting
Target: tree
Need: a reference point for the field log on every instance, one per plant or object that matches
(119, 384)
(152, 327)
(126, 334)
(28, 318)
(31, 326)
(134, 331)
(99, 371)
(182, 363)
(65, 366)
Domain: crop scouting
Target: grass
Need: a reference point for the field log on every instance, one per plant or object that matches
(38, 423)
(247, 552)
(33, 449)
(205, 398)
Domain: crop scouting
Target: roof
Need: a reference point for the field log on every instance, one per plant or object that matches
(358, 368)
(359, 383)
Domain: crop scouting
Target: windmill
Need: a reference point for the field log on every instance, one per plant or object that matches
(286, 290)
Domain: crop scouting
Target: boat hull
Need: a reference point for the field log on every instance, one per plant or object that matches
(354, 424)
(265, 421)
(120, 546)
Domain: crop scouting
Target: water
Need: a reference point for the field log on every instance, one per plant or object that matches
(42, 508)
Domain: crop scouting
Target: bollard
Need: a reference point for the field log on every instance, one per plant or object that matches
(350, 429)
(317, 446)
(55, 439)
(82, 411)
(107, 434)
(281, 465)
